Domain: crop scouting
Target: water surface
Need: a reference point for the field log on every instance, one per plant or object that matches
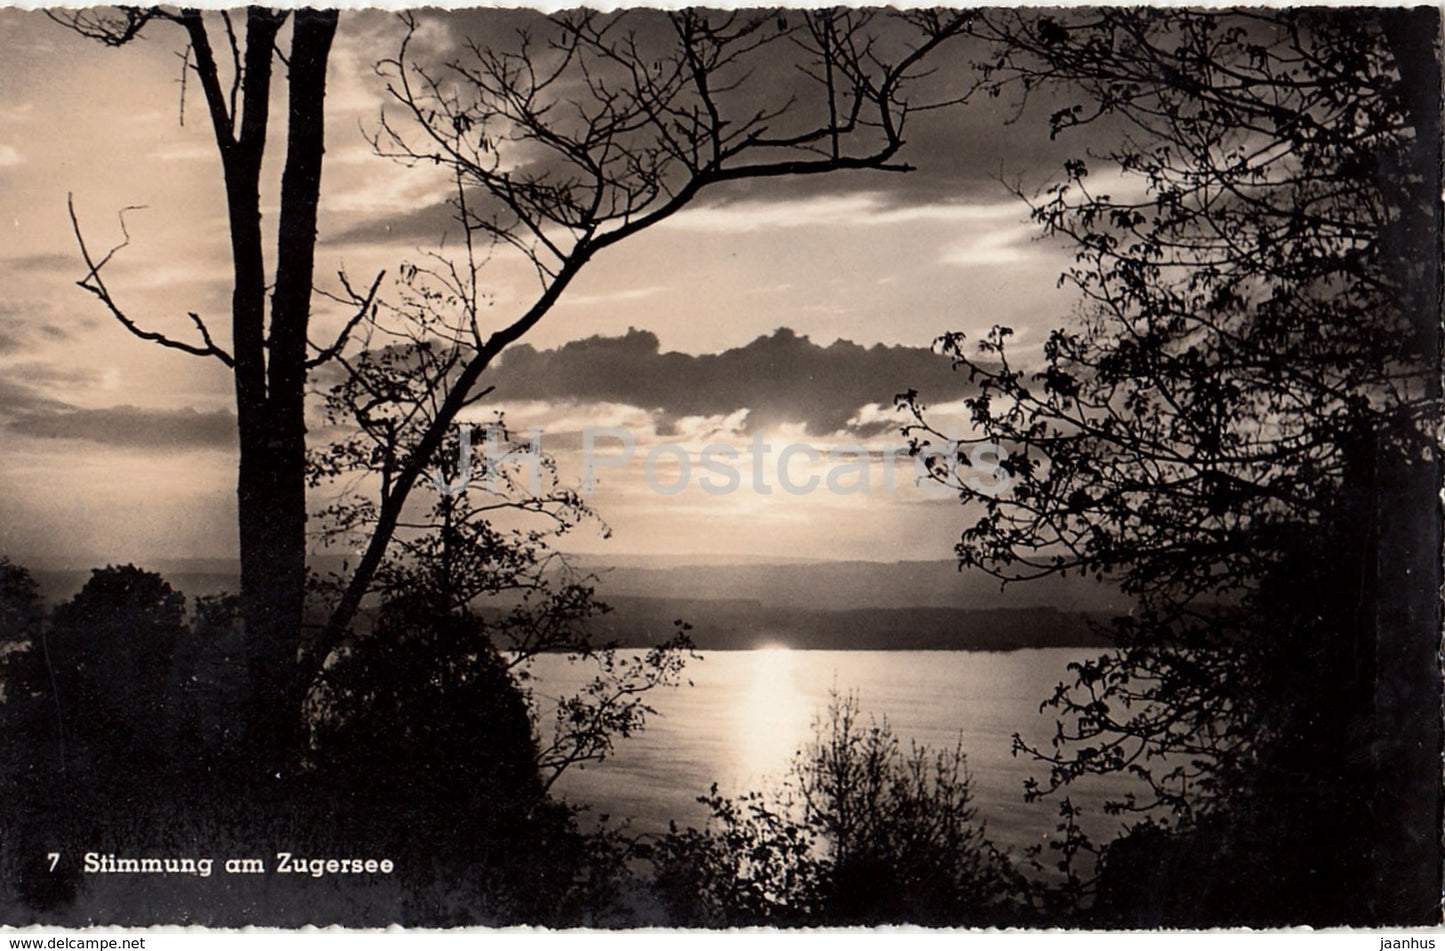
(748, 712)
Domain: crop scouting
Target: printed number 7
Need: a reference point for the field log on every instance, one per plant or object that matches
(54, 859)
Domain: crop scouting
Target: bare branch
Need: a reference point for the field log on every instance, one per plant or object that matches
(93, 283)
(562, 148)
(113, 26)
(365, 307)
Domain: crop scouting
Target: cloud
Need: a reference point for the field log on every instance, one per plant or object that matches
(185, 152)
(778, 380)
(14, 112)
(21, 398)
(991, 248)
(52, 261)
(629, 294)
(863, 208)
(30, 407)
(131, 427)
(41, 313)
(425, 222)
(37, 373)
(10, 156)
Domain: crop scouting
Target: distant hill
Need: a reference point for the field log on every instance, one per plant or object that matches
(843, 605)
(746, 625)
(828, 585)
(839, 585)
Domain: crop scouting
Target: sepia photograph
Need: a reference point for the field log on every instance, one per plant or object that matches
(703, 468)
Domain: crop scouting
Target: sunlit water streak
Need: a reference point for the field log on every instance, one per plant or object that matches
(771, 718)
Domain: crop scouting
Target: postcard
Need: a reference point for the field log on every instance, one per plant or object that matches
(720, 468)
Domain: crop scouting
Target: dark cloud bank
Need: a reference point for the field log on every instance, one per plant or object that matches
(782, 378)
(135, 427)
(28, 411)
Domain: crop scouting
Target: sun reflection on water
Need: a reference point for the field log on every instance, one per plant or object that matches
(773, 717)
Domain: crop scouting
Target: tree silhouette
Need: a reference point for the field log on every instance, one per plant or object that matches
(420, 727)
(110, 651)
(634, 115)
(19, 604)
(25, 668)
(479, 556)
(1238, 428)
(269, 354)
(91, 693)
(590, 129)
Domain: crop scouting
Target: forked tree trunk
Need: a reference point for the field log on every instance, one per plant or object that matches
(271, 360)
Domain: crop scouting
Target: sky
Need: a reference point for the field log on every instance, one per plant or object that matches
(770, 314)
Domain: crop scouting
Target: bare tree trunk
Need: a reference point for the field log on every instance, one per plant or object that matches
(270, 367)
(265, 607)
(272, 480)
(1405, 617)
(276, 557)
(268, 358)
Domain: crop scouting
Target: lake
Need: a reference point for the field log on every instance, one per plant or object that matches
(747, 712)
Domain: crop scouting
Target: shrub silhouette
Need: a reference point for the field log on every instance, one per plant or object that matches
(87, 715)
(19, 605)
(425, 699)
(111, 649)
(861, 833)
(422, 752)
(423, 747)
